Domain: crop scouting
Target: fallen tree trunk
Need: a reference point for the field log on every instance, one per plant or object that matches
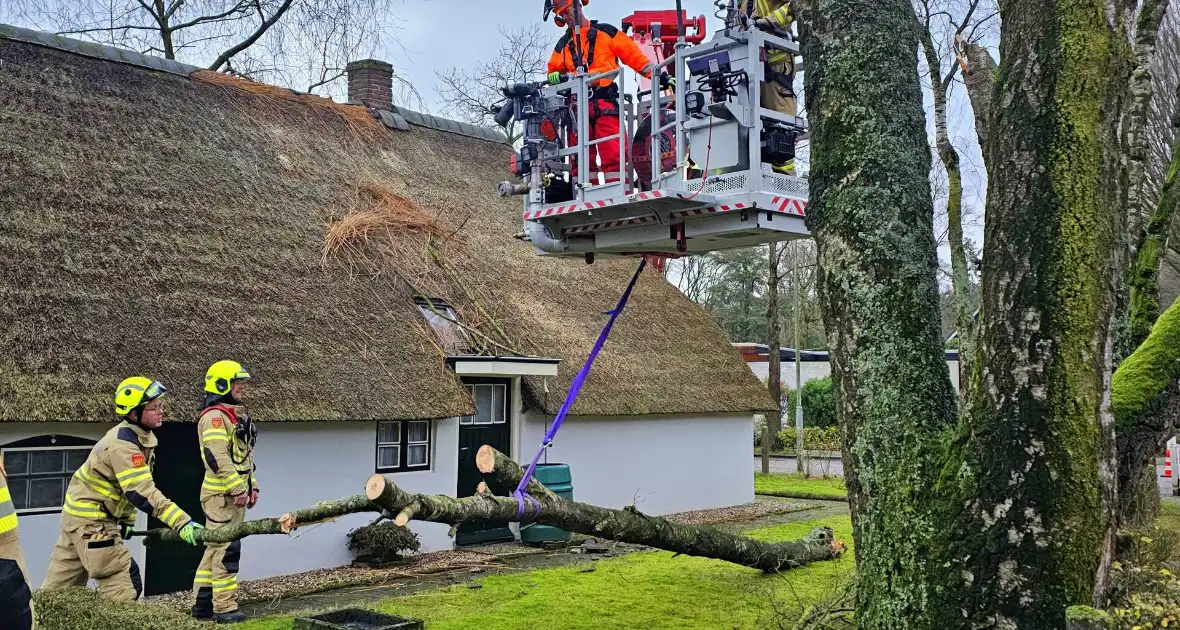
(626, 525)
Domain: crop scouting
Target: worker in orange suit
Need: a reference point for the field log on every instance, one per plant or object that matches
(598, 48)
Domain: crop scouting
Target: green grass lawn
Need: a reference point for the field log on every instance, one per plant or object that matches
(642, 590)
(796, 486)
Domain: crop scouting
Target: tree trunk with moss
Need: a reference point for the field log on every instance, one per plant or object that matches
(964, 303)
(1138, 492)
(1145, 397)
(1029, 480)
(871, 215)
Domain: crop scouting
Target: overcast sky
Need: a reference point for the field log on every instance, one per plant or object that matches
(439, 34)
(424, 37)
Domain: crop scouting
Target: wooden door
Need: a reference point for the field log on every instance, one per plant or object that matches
(491, 424)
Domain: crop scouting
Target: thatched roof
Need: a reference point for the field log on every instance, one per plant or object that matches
(152, 223)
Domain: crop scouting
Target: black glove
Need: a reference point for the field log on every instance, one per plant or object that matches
(763, 24)
(666, 80)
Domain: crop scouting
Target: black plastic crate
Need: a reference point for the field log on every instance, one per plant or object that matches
(356, 619)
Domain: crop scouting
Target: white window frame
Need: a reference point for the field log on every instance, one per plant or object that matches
(403, 446)
(65, 476)
(492, 388)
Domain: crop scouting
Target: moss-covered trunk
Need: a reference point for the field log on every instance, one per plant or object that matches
(1024, 480)
(871, 215)
(1145, 396)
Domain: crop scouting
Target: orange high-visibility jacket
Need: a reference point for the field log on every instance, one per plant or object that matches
(601, 54)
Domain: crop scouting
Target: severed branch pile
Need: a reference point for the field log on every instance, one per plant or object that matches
(626, 525)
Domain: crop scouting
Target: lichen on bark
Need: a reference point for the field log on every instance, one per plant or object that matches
(1022, 478)
(871, 215)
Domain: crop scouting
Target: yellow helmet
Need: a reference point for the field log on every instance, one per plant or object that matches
(135, 392)
(221, 375)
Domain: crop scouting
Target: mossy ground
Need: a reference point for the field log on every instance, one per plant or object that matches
(799, 487)
(642, 590)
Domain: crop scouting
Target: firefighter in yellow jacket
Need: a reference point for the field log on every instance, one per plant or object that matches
(227, 437)
(16, 606)
(102, 497)
(778, 90)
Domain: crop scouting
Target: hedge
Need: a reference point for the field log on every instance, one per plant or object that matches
(79, 608)
(819, 403)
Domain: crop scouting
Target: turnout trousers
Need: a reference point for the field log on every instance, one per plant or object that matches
(215, 589)
(94, 551)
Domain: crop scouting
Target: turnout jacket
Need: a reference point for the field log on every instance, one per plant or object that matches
(778, 12)
(116, 479)
(228, 456)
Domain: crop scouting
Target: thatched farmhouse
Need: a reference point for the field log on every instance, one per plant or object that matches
(155, 218)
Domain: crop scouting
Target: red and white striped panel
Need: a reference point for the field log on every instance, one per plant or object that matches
(594, 227)
(590, 205)
(708, 210)
(788, 205)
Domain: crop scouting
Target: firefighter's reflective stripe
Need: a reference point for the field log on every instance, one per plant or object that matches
(7, 511)
(84, 509)
(214, 435)
(203, 577)
(133, 476)
(228, 584)
(172, 516)
(224, 483)
(98, 485)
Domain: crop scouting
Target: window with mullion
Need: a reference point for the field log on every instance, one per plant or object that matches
(37, 477)
(403, 445)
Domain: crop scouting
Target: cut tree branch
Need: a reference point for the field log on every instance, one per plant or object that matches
(627, 525)
(284, 524)
(979, 79)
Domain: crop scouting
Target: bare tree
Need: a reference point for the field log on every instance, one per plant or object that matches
(304, 43)
(950, 23)
(468, 92)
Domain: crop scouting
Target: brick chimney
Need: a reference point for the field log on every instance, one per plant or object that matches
(370, 82)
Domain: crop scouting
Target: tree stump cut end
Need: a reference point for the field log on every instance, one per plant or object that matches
(374, 487)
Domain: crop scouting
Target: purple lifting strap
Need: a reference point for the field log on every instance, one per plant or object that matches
(570, 397)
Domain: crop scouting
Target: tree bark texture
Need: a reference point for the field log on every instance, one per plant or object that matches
(1032, 516)
(871, 215)
(282, 525)
(1145, 397)
(627, 525)
(980, 79)
(774, 375)
(960, 282)
(1146, 32)
(1149, 253)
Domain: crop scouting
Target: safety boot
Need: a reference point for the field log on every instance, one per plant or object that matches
(202, 613)
(236, 616)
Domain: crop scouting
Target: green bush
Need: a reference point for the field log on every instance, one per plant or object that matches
(79, 609)
(814, 438)
(819, 403)
(385, 540)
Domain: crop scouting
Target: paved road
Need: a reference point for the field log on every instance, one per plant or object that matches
(836, 467)
(817, 466)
